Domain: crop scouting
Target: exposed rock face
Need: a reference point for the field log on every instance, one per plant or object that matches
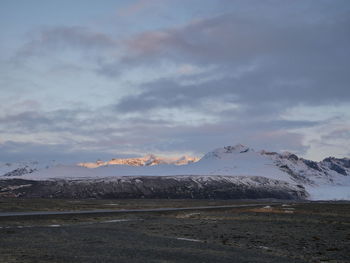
(199, 187)
(20, 171)
(312, 164)
(23, 168)
(305, 171)
(341, 166)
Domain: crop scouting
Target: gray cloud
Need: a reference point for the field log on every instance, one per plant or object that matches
(105, 136)
(59, 38)
(232, 38)
(295, 61)
(260, 62)
(343, 133)
(36, 121)
(11, 151)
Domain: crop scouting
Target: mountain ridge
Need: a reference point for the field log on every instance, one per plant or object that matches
(281, 170)
(147, 160)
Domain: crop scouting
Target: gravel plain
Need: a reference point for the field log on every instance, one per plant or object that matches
(276, 232)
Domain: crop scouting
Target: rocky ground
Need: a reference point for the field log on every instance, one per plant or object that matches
(275, 232)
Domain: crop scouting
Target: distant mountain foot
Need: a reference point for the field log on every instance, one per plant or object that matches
(177, 187)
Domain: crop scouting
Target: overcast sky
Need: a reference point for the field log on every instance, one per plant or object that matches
(86, 79)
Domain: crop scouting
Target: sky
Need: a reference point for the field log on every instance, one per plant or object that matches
(85, 80)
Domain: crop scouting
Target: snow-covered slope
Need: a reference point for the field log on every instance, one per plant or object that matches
(230, 161)
(148, 160)
(325, 180)
(328, 179)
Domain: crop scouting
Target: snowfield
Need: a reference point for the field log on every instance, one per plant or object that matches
(148, 160)
(325, 180)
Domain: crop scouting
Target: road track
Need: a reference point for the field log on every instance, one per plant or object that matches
(121, 211)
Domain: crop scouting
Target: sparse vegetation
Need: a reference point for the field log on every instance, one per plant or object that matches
(312, 232)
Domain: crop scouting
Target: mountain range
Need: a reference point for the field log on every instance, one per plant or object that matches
(148, 160)
(229, 172)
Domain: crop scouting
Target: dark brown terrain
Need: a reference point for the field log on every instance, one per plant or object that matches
(273, 232)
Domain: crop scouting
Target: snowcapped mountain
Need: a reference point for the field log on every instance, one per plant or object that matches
(147, 160)
(232, 171)
(22, 168)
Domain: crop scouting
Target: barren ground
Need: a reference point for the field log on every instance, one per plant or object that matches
(280, 232)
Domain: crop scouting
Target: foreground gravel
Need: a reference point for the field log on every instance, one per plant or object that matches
(300, 232)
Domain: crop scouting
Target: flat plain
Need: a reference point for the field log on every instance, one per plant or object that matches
(272, 231)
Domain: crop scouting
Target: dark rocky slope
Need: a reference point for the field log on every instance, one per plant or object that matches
(198, 187)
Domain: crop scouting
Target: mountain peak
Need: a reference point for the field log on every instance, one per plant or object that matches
(227, 150)
(237, 148)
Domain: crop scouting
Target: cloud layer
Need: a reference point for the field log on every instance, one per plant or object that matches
(240, 74)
